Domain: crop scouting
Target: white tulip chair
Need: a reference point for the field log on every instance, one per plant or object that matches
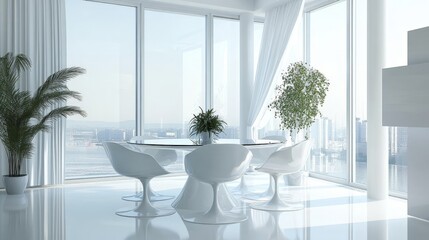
(286, 160)
(216, 164)
(141, 166)
(164, 157)
(260, 155)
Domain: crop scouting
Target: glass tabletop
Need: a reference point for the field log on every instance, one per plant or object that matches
(190, 142)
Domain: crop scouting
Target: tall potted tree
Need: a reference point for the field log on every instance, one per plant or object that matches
(23, 115)
(299, 99)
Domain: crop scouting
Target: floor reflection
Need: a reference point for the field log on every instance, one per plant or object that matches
(155, 228)
(87, 211)
(37, 214)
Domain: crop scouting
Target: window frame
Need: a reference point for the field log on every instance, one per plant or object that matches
(141, 8)
(351, 86)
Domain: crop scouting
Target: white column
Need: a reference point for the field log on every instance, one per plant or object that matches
(377, 173)
(246, 71)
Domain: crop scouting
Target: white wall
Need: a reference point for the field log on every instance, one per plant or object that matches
(405, 98)
(418, 172)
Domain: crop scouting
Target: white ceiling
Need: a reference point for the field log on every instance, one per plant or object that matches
(232, 5)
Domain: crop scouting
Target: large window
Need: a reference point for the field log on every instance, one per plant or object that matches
(102, 39)
(330, 21)
(226, 73)
(360, 97)
(327, 48)
(397, 137)
(174, 72)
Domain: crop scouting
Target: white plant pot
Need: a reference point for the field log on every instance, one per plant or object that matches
(15, 184)
(206, 138)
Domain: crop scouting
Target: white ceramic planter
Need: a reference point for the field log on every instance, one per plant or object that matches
(206, 138)
(15, 184)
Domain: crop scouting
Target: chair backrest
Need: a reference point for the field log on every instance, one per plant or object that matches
(289, 159)
(164, 156)
(218, 162)
(262, 152)
(131, 163)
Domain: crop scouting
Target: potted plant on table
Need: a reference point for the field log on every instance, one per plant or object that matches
(206, 124)
(299, 99)
(23, 115)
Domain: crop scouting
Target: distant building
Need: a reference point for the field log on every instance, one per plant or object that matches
(361, 140)
(322, 133)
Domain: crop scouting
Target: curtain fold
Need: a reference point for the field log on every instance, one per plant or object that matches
(37, 29)
(279, 23)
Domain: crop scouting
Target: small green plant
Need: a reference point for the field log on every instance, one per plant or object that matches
(299, 97)
(206, 121)
(23, 115)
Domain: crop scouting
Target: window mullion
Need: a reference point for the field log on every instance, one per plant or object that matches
(209, 61)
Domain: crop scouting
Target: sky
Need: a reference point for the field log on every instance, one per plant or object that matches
(101, 38)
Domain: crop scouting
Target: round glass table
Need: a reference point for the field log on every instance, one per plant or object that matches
(190, 197)
(188, 143)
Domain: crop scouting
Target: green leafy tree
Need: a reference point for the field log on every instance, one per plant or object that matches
(299, 97)
(23, 115)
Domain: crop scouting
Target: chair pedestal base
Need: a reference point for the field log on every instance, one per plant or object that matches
(276, 203)
(242, 188)
(223, 218)
(145, 210)
(264, 196)
(153, 196)
(215, 215)
(277, 206)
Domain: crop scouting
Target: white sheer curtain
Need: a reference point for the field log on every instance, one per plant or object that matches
(279, 23)
(37, 29)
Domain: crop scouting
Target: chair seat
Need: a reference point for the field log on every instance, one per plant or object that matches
(139, 165)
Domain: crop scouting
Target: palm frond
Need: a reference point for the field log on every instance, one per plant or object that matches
(62, 112)
(58, 80)
(22, 116)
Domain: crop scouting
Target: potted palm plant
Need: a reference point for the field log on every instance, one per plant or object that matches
(23, 115)
(206, 124)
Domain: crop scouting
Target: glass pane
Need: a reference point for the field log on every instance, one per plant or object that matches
(360, 92)
(226, 74)
(328, 31)
(102, 39)
(174, 72)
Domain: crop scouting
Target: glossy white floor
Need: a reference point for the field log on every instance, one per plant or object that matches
(81, 211)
